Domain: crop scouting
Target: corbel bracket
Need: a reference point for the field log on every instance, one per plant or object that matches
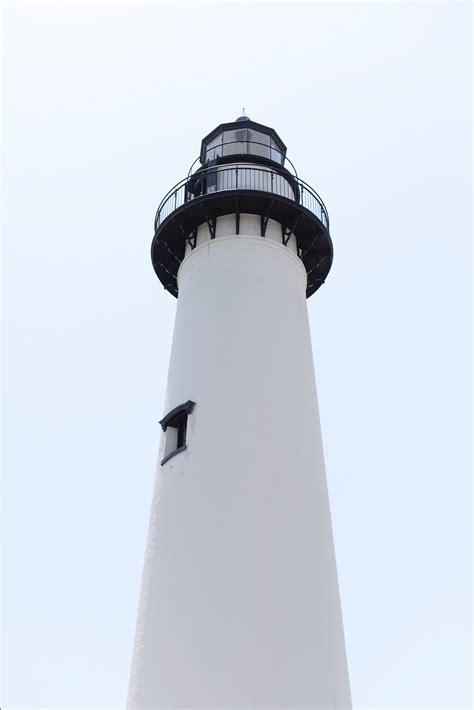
(192, 238)
(264, 218)
(287, 229)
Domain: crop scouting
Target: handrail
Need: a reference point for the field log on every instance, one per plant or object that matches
(236, 176)
(265, 145)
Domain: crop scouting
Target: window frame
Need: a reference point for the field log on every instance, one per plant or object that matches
(177, 419)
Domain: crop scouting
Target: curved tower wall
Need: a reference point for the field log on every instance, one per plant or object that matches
(239, 606)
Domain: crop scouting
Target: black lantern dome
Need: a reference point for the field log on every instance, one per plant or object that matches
(243, 170)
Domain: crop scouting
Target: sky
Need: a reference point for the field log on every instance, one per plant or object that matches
(104, 106)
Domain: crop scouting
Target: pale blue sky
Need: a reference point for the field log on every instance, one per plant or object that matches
(104, 108)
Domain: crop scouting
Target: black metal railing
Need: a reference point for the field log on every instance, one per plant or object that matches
(245, 147)
(241, 177)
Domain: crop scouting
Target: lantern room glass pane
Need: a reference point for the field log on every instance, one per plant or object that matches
(241, 141)
(275, 153)
(235, 142)
(213, 148)
(259, 143)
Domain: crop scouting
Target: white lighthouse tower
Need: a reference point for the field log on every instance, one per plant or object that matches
(239, 605)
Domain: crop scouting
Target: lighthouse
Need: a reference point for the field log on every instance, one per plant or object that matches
(239, 605)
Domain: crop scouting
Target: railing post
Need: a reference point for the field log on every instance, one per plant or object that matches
(237, 178)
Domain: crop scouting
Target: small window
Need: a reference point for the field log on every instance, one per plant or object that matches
(181, 427)
(175, 425)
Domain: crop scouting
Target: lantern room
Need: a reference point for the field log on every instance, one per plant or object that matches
(243, 140)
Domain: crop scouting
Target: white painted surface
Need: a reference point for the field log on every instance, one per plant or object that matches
(239, 605)
(250, 226)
